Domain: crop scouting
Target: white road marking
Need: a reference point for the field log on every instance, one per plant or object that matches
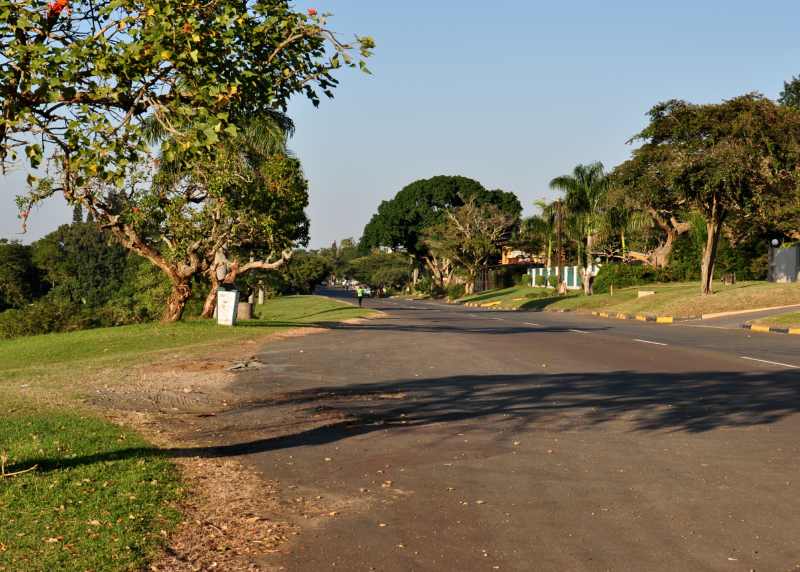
(649, 342)
(499, 319)
(579, 331)
(771, 362)
(532, 324)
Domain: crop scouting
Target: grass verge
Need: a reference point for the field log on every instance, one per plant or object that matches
(790, 320)
(681, 299)
(98, 499)
(100, 496)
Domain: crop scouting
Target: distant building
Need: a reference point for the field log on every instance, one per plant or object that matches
(511, 256)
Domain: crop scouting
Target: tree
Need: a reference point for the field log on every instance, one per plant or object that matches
(469, 235)
(402, 221)
(19, 280)
(82, 264)
(381, 269)
(256, 218)
(585, 191)
(790, 96)
(643, 181)
(83, 82)
(733, 160)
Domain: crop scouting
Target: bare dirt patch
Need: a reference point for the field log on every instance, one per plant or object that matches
(234, 517)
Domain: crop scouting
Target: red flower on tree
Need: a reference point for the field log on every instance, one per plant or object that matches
(312, 11)
(57, 6)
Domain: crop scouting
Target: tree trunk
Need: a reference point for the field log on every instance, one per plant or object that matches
(587, 286)
(549, 260)
(713, 229)
(181, 292)
(211, 300)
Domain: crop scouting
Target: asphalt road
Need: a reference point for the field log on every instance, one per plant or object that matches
(477, 440)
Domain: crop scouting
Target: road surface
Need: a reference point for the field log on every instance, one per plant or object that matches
(471, 440)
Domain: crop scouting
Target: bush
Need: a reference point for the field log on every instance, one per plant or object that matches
(541, 280)
(625, 275)
(455, 291)
(553, 280)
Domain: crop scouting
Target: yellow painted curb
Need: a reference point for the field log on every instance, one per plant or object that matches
(664, 320)
(794, 331)
(622, 317)
(641, 318)
(604, 314)
(758, 328)
(490, 304)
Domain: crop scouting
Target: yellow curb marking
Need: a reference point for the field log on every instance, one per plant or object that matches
(664, 320)
(758, 328)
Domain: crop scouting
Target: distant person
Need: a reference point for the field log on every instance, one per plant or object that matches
(360, 294)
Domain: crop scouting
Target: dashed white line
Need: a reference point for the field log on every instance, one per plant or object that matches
(532, 324)
(499, 319)
(649, 342)
(771, 362)
(579, 331)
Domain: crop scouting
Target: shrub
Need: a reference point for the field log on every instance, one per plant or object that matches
(541, 280)
(455, 291)
(625, 275)
(553, 280)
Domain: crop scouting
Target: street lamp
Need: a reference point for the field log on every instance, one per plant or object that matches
(775, 242)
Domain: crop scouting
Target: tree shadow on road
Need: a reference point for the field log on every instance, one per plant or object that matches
(692, 402)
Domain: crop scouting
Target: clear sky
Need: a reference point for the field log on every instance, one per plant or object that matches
(509, 92)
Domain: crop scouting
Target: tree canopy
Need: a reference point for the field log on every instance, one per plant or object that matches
(400, 222)
(739, 159)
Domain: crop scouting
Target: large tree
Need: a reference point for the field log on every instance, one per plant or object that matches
(733, 160)
(470, 235)
(402, 221)
(82, 82)
(585, 191)
(645, 186)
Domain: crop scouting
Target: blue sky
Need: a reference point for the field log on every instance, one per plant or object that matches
(511, 93)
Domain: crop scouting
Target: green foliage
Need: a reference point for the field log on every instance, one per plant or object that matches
(81, 263)
(735, 162)
(97, 502)
(82, 75)
(303, 273)
(541, 280)
(625, 275)
(790, 96)
(381, 269)
(19, 279)
(470, 235)
(455, 291)
(402, 221)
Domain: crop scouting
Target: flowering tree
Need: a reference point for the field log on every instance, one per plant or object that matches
(83, 81)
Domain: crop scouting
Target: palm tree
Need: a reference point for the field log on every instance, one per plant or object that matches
(621, 221)
(584, 195)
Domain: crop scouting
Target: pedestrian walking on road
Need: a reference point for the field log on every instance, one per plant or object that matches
(360, 294)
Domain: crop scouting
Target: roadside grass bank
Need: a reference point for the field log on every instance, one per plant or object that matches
(98, 497)
(680, 299)
(789, 321)
(89, 494)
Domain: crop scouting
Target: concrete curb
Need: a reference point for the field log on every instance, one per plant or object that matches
(770, 329)
(642, 317)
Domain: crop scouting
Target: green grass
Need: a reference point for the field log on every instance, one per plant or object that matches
(790, 320)
(45, 357)
(673, 299)
(97, 500)
(100, 495)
